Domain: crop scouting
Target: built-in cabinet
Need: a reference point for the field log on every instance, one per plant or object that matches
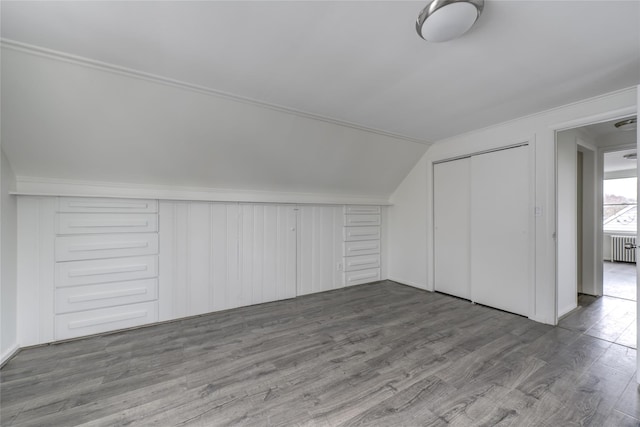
(362, 236)
(483, 225)
(88, 265)
(106, 265)
(216, 256)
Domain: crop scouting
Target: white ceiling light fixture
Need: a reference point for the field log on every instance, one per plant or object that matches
(631, 156)
(443, 20)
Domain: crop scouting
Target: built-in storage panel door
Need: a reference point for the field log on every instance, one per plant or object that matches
(36, 269)
(452, 184)
(199, 258)
(267, 253)
(320, 243)
(500, 206)
(216, 256)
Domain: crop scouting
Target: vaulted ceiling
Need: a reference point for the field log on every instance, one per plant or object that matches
(358, 63)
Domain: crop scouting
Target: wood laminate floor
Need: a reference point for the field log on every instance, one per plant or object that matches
(619, 279)
(373, 355)
(607, 318)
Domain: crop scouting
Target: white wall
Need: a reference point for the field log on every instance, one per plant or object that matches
(407, 231)
(410, 214)
(567, 152)
(570, 280)
(591, 260)
(8, 249)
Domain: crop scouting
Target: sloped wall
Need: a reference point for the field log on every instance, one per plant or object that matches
(73, 121)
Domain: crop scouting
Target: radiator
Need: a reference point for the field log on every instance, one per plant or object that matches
(618, 252)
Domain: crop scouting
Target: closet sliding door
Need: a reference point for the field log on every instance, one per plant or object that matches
(500, 240)
(451, 227)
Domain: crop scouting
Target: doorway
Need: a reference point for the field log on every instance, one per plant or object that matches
(597, 173)
(619, 223)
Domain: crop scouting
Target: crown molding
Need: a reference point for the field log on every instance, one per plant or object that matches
(154, 78)
(35, 186)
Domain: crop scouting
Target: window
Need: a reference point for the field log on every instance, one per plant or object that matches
(620, 205)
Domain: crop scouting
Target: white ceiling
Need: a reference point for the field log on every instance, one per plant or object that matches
(615, 161)
(607, 128)
(606, 135)
(360, 61)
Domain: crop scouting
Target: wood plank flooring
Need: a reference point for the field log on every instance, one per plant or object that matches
(619, 279)
(607, 318)
(371, 355)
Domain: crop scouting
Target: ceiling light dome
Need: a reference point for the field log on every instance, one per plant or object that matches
(443, 20)
(628, 124)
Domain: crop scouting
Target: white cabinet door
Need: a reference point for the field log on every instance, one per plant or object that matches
(216, 256)
(267, 253)
(452, 185)
(320, 248)
(198, 257)
(500, 246)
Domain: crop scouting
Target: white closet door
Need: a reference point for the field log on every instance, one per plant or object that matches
(500, 209)
(451, 227)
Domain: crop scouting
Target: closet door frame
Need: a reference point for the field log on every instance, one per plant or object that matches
(533, 213)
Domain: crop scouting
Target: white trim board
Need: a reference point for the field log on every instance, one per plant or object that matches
(410, 283)
(30, 186)
(136, 74)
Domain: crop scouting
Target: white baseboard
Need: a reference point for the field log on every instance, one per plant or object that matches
(545, 320)
(409, 283)
(8, 354)
(566, 310)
